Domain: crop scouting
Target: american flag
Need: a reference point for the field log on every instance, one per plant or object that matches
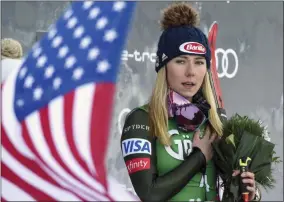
(56, 109)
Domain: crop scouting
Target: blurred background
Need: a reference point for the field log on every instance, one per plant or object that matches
(250, 62)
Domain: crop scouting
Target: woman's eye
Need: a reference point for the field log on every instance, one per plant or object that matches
(180, 61)
(199, 62)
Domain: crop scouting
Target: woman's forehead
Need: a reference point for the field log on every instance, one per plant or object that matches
(191, 56)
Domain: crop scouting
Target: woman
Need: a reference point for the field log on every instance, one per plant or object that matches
(166, 144)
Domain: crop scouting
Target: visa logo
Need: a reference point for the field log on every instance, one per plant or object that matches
(135, 146)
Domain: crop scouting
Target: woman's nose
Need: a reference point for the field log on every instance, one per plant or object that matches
(189, 70)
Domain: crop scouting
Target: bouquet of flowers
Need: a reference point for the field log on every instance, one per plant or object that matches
(244, 137)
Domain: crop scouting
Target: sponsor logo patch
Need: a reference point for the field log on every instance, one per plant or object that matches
(137, 164)
(136, 127)
(164, 57)
(135, 146)
(192, 47)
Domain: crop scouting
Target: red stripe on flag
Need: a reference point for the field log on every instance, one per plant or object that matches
(33, 191)
(31, 146)
(68, 117)
(44, 119)
(29, 164)
(100, 125)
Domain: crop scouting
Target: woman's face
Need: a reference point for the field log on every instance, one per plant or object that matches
(185, 74)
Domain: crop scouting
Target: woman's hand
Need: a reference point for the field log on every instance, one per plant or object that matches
(248, 178)
(205, 143)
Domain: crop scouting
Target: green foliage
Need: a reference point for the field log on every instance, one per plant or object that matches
(235, 127)
(243, 136)
(238, 124)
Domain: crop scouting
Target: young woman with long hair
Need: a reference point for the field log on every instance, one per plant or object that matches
(166, 144)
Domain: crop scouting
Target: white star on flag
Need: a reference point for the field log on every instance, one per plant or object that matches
(110, 35)
(68, 14)
(49, 71)
(87, 4)
(102, 22)
(37, 93)
(23, 72)
(103, 66)
(85, 42)
(37, 52)
(70, 61)
(29, 82)
(72, 22)
(93, 53)
(20, 102)
(41, 61)
(78, 32)
(56, 41)
(94, 12)
(77, 73)
(118, 6)
(63, 51)
(56, 83)
(52, 33)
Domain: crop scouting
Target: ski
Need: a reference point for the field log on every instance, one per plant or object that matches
(213, 74)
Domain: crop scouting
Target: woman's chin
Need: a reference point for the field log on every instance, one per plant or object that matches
(188, 95)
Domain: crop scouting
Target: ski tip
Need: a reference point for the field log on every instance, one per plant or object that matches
(215, 23)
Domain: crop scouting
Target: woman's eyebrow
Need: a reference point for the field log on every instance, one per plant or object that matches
(199, 58)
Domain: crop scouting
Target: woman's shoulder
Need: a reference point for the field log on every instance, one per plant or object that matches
(141, 111)
(137, 123)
